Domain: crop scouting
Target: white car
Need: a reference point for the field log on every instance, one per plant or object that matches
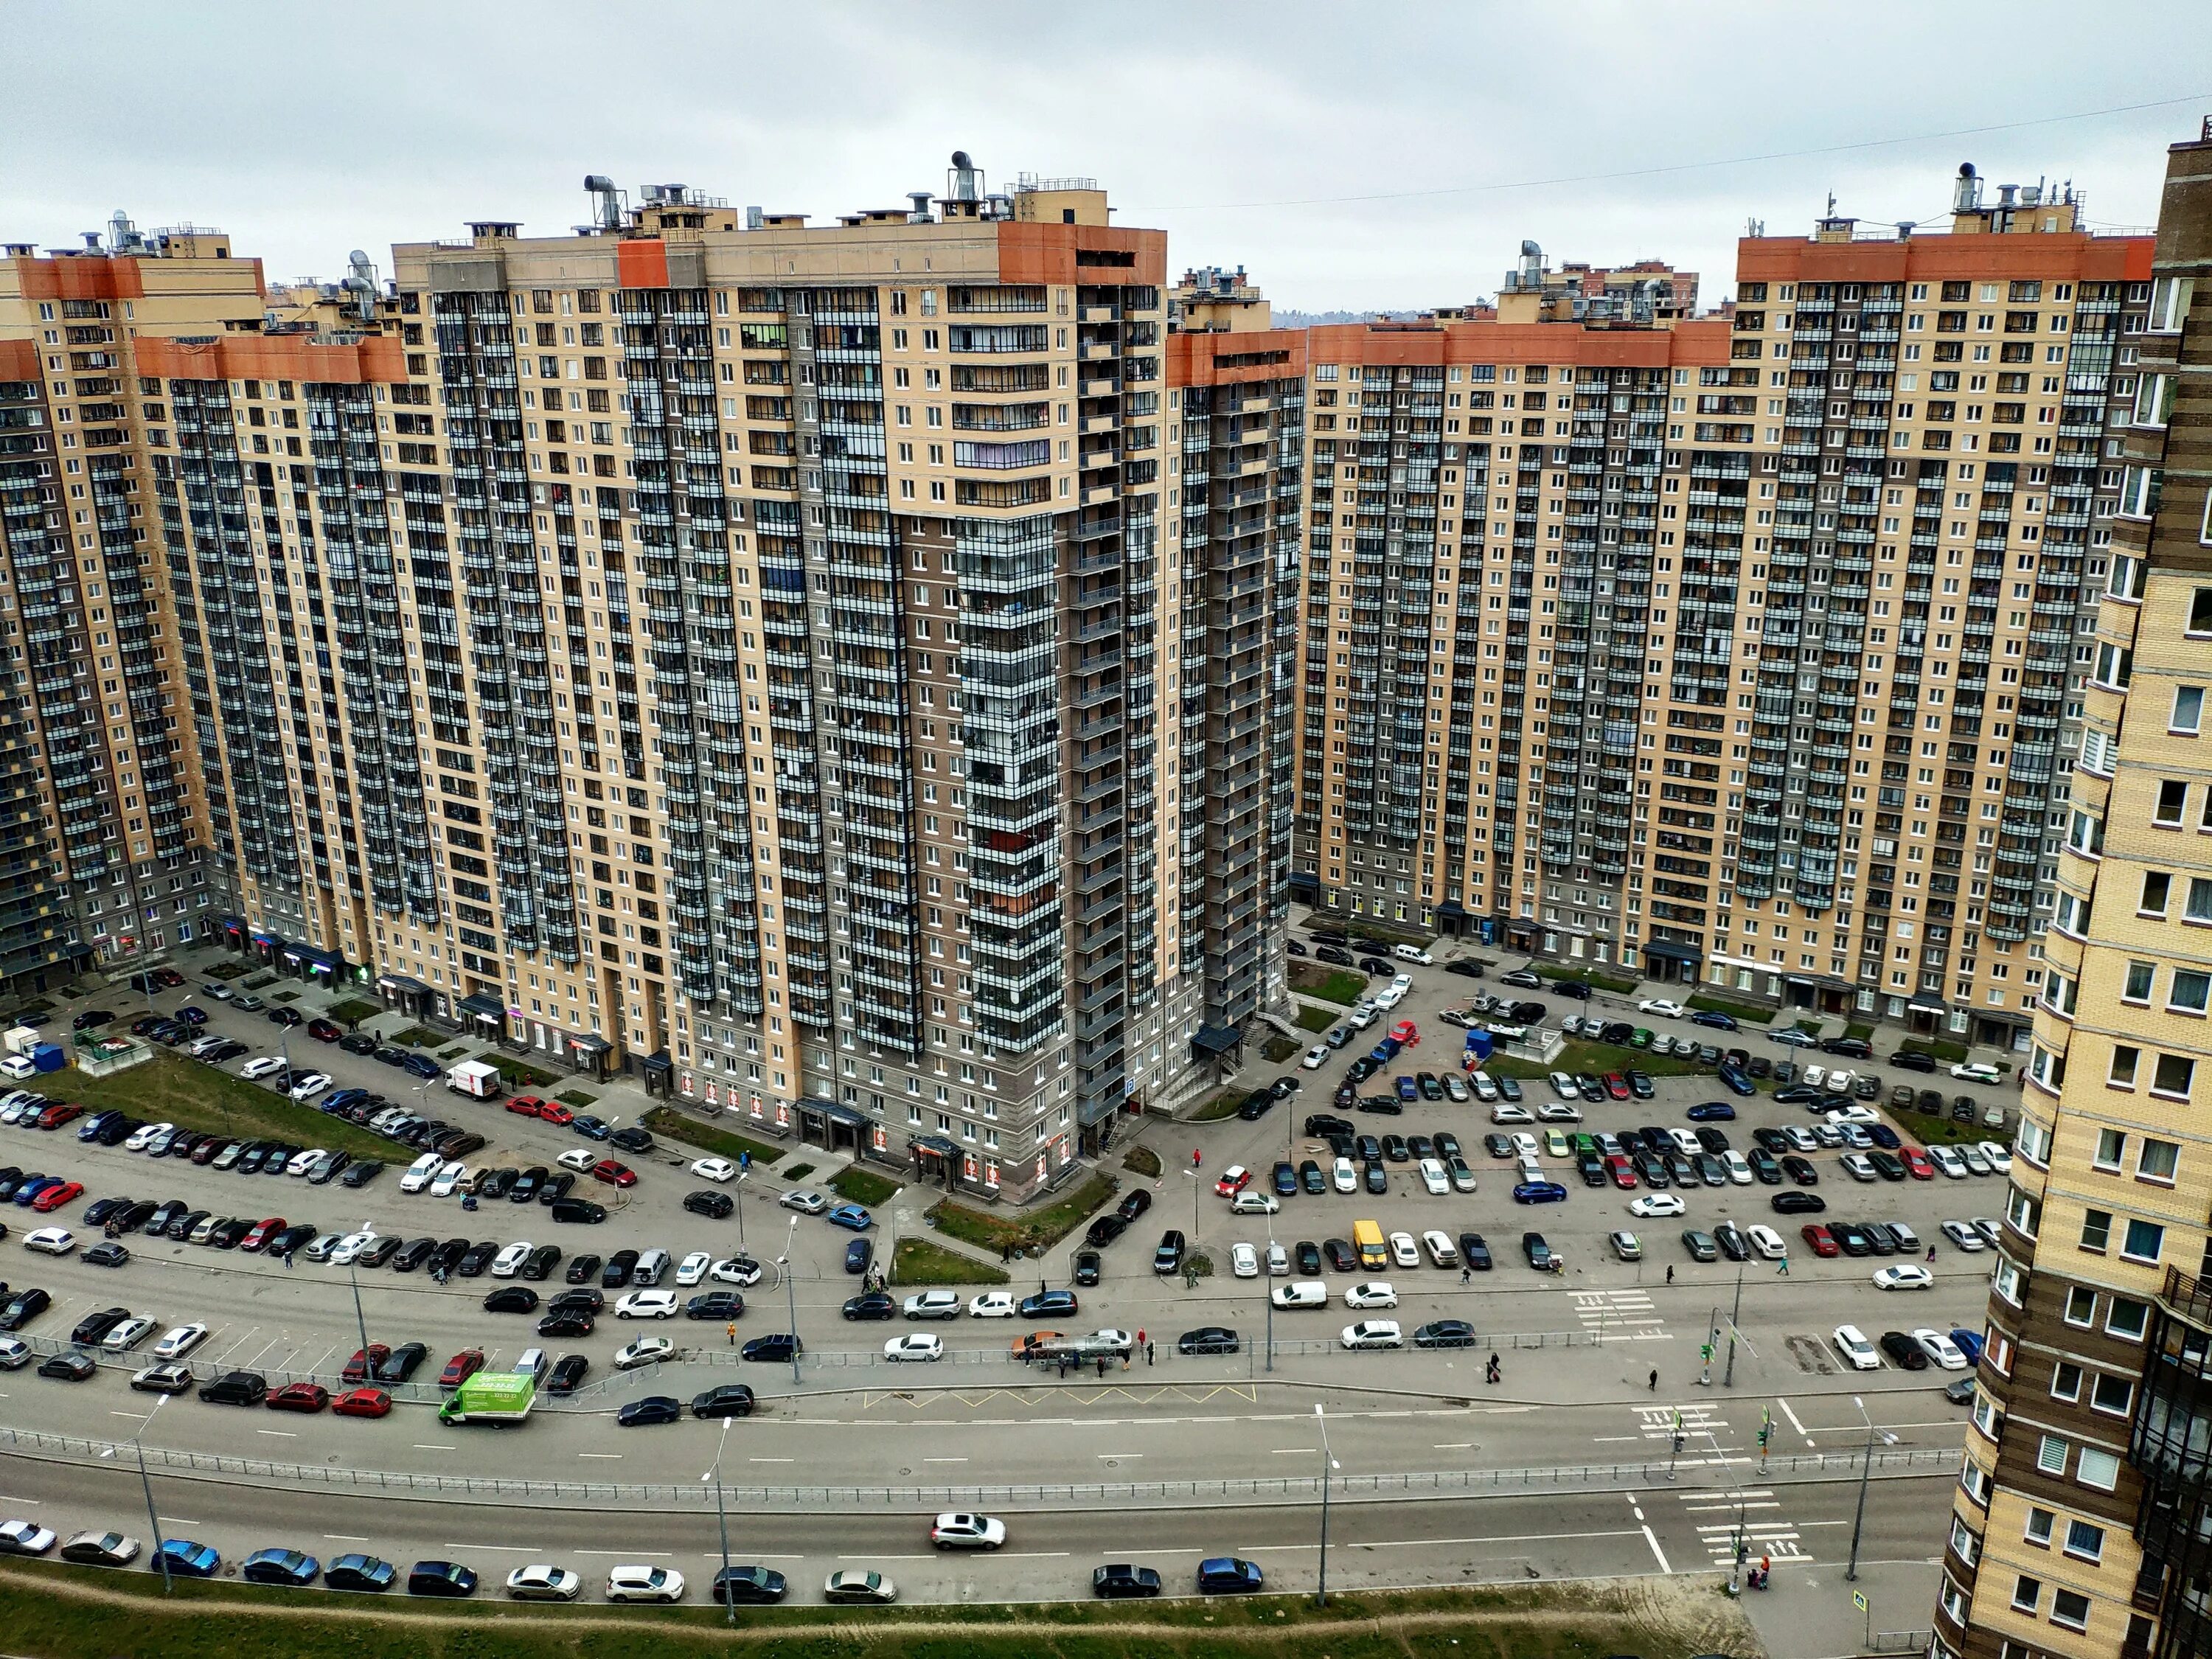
(805, 1200)
(643, 1351)
(1389, 997)
(179, 1340)
(1402, 981)
(421, 1173)
(1433, 1177)
(1626, 1246)
(1998, 1154)
(1653, 1205)
(1564, 1087)
(1965, 1237)
(1243, 1261)
(23, 1538)
(955, 1531)
(1506, 1111)
(508, 1262)
(1524, 1146)
(1404, 1251)
(348, 1249)
(1300, 1293)
(1346, 1177)
(1686, 1142)
(1661, 1007)
(1411, 953)
(1903, 1277)
(932, 1304)
(542, 1582)
(303, 1161)
(1316, 1057)
(578, 1158)
(1976, 1163)
(449, 1177)
(311, 1085)
(51, 1241)
(1941, 1350)
(1948, 1162)
(141, 1138)
(1373, 1333)
(714, 1169)
(1976, 1071)
(127, 1335)
(647, 1304)
(993, 1304)
(640, 1582)
(918, 1345)
(1376, 1293)
(1739, 1172)
(1853, 1113)
(1858, 1353)
(1858, 1167)
(1441, 1251)
(738, 1270)
(1766, 1241)
(693, 1268)
(199, 1046)
(1279, 1260)
(1250, 1202)
(1557, 1111)
(263, 1066)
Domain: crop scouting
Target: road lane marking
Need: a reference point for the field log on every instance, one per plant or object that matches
(944, 1459)
(598, 1454)
(281, 1434)
(504, 1549)
(1453, 1445)
(1794, 1423)
(1132, 1455)
(1650, 1539)
(419, 1447)
(771, 1460)
(655, 1555)
(343, 1538)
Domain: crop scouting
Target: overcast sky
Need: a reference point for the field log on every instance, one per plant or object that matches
(1348, 156)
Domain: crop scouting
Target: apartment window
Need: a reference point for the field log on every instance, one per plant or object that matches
(2136, 988)
(2142, 1240)
(2172, 803)
(2153, 399)
(2188, 710)
(2069, 1609)
(2200, 603)
(2187, 991)
(2050, 1454)
(2115, 666)
(2140, 489)
(2169, 304)
(2125, 1058)
(2065, 1381)
(2101, 1469)
(2173, 1075)
(2126, 1318)
(2080, 1307)
(2198, 907)
(2111, 1147)
(2157, 886)
(2026, 1594)
(2039, 1524)
(2096, 1229)
(2113, 1394)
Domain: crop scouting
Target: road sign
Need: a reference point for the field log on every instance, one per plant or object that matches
(1859, 1601)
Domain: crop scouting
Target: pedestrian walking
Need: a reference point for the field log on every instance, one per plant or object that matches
(1148, 1353)
(1931, 1252)
(730, 1330)
(1783, 1272)
(1102, 1368)
(288, 1262)
(1655, 1379)
(1063, 1366)
(1125, 1358)
(1670, 1275)
(1466, 1274)
(1140, 1336)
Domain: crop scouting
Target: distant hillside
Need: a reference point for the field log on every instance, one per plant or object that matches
(1285, 317)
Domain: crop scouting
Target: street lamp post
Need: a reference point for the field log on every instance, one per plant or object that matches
(360, 1319)
(722, 1519)
(790, 1295)
(1327, 1468)
(1266, 1280)
(1866, 1468)
(146, 1484)
(738, 1202)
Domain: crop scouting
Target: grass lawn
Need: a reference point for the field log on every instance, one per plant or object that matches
(1142, 1160)
(415, 1037)
(1618, 984)
(1747, 1013)
(672, 1125)
(1330, 985)
(1046, 1226)
(1277, 1049)
(1859, 1029)
(864, 1187)
(1318, 1019)
(519, 1073)
(1599, 1058)
(918, 1262)
(227, 970)
(1221, 1105)
(170, 1089)
(86, 1612)
(1924, 1128)
(354, 1010)
(797, 1172)
(575, 1097)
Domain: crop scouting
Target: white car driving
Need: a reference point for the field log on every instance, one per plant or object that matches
(643, 1351)
(1506, 1111)
(1903, 1277)
(179, 1340)
(805, 1200)
(1373, 1333)
(578, 1158)
(1375, 1293)
(1316, 1057)
(1652, 1205)
(51, 1241)
(917, 1345)
(1976, 1071)
(647, 1304)
(714, 1169)
(1661, 1007)
(1557, 1111)
(1250, 1202)
(993, 1304)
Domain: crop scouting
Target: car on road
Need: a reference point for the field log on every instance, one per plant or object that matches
(1229, 1575)
(49, 1241)
(1373, 1333)
(640, 1583)
(1858, 1353)
(1208, 1339)
(933, 1304)
(1976, 1071)
(958, 1530)
(356, 1571)
(278, 1566)
(24, 1538)
(1903, 1276)
(650, 1412)
(1119, 1581)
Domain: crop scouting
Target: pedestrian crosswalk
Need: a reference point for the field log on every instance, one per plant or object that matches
(1620, 1315)
(1765, 1532)
(1702, 1428)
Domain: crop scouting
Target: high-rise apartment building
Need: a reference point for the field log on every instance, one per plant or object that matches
(2083, 1521)
(1830, 561)
(108, 838)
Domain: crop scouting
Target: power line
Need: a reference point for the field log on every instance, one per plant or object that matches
(1684, 167)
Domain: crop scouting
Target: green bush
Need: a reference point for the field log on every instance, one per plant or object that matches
(799, 1172)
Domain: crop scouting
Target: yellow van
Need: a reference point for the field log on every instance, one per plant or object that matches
(1367, 1239)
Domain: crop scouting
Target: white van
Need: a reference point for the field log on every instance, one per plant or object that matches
(652, 1266)
(1301, 1293)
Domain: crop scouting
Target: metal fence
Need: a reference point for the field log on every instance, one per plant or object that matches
(1242, 1492)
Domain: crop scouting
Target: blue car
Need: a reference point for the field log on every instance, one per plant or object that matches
(1711, 1111)
(90, 1128)
(193, 1560)
(447, 1578)
(858, 1255)
(589, 1127)
(1540, 1192)
(1048, 1304)
(339, 1099)
(360, 1572)
(190, 1015)
(1285, 1178)
(1734, 1081)
(1883, 1136)
(1718, 1021)
(1406, 1091)
(851, 1217)
(291, 1567)
(421, 1066)
(1968, 1343)
(1226, 1575)
(31, 1189)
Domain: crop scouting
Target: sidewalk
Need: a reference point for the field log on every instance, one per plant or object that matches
(1809, 1613)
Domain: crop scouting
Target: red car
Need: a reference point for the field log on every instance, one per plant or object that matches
(1405, 1033)
(61, 1112)
(257, 1236)
(1622, 1171)
(525, 1105)
(168, 976)
(362, 1402)
(1234, 1180)
(299, 1397)
(614, 1174)
(54, 1197)
(1918, 1164)
(364, 1361)
(553, 1112)
(1616, 1085)
(461, 1367)
(1822, 1242)
(324, 1031)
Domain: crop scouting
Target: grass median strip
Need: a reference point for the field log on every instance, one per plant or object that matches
(863, 1186)
(672, 1125)
(918, 1262)
(66, 1612)
(1046, 1226)
(170, 1089)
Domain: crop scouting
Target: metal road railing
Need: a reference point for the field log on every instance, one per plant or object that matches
(1240, 1491)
